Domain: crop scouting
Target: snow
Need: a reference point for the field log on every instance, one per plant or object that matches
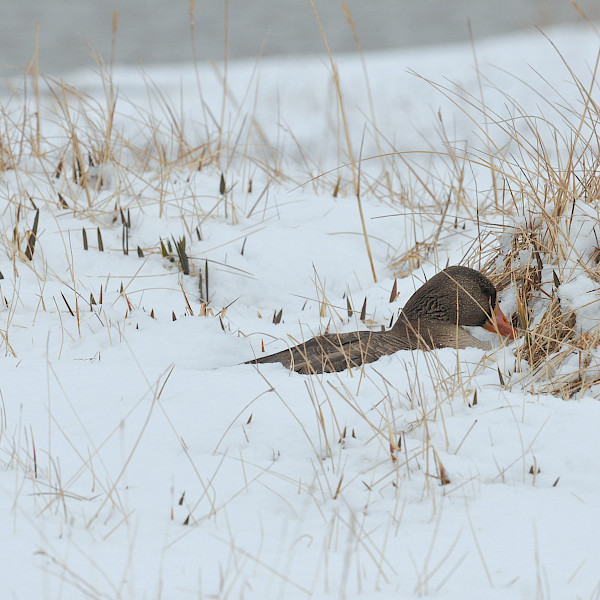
(141, 459)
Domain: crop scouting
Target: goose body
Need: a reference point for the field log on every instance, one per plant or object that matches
(432, 318)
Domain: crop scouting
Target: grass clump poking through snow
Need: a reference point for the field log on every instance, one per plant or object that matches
(547, 189)
(535, 173)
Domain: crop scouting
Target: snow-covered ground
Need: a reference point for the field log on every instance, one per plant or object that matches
(141, 459)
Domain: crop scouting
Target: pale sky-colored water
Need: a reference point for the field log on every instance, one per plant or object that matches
(158, 31)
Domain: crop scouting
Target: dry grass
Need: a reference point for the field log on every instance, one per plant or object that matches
(552, 202)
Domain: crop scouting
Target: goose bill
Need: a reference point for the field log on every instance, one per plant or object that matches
(498, 323)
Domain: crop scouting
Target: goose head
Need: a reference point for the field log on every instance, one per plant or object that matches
(460, 296)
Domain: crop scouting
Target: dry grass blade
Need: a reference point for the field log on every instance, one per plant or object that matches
(181, 253)
(394, 293)
(355, 173)
(363, 311)
(32, 236)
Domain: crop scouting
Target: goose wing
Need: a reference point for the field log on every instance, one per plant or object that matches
(337, 351)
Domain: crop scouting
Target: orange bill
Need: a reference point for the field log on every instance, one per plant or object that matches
(498, 323)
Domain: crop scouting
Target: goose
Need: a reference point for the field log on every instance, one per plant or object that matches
(433, 317)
